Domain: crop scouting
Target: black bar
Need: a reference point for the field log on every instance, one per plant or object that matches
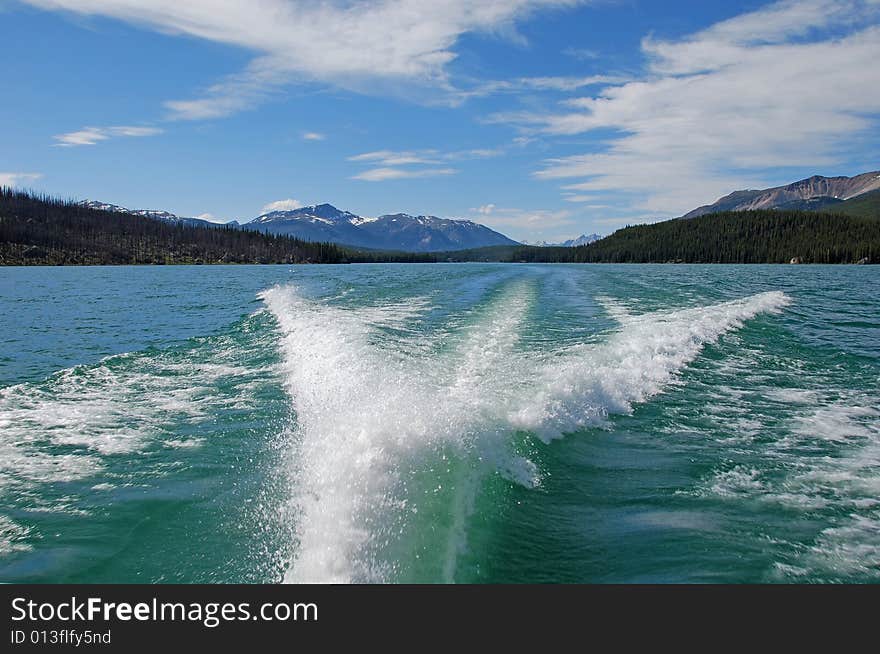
(433, 615)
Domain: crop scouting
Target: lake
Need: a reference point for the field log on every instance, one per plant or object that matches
(440, 423)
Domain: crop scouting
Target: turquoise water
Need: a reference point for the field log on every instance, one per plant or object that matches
(440, 423)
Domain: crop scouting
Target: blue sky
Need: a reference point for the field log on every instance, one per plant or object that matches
(543, 119)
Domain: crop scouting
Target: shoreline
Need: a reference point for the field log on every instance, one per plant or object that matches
(422, 263)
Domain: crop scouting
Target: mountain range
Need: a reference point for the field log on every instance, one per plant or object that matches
(399, 231)
(40, 230)
(155, 214)
(809, 194)
(857, 196)
(326, 224)
(583, 239)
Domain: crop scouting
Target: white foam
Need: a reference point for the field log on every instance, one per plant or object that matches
(837, 422)
(63, 428)
(362, 410)
(839, 478)
(851, 549)
(579, 387)
(737, 481)
(11, 536)
(793, 395)
(177, 443)
(365, 413)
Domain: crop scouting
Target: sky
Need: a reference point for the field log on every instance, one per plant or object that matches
(543, 119)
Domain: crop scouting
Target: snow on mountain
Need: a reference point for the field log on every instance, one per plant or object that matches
(155, 214)
(325, 214)
(324, 222)
(583, 239)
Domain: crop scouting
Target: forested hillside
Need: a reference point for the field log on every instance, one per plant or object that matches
(730, 237)
(866, 205)
(40, 230)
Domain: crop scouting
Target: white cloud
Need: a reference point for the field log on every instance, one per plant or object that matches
(85, 136)
(392, 164)
(719, 45)
(313, 136)
(618, 222)
(582, 54)
(93, 135)
(211, 218)
(568, 83)
(235, 93)
(757, 92)
(282, 205)
(532, 222)
(386, 173)
(361, 46)
(222, 100)
(477, 153)
(580, 198)
(423, 157)
(523, 84)
(18, 179)
(134, 131)
(401, 158)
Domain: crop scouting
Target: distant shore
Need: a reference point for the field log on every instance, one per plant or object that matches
(39, 230)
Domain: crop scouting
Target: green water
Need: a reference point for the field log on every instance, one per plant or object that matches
(466, 423)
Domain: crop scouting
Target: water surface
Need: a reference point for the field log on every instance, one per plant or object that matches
(439, 423)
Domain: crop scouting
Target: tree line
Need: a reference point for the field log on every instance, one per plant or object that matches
(766, 236)
(42, 230)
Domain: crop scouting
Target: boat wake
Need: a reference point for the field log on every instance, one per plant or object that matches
(378, 407)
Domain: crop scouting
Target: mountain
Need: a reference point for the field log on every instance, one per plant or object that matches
(318, 223)
(866, 205)
(40, 230)
(431, 234)
(155, 214)
(811, 194)
(400, 231)
(760, 236)
(583, 239)
(324, 223)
